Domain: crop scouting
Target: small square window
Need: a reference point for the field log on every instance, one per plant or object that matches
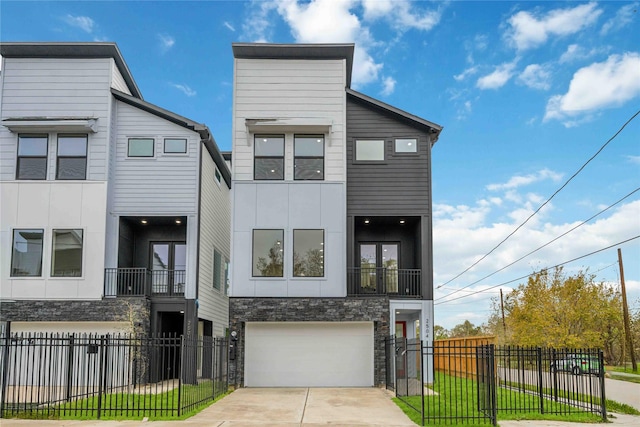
(406, 145)
(141, 147)
(368, 150)
(173, 145)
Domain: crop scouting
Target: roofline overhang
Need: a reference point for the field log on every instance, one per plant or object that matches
(205, 134)
(72, 50)
(418, 122)
(315, 51)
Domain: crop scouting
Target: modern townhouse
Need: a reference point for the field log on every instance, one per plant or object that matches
(115, 212)
(331, 221)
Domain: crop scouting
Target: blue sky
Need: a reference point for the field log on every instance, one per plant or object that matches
(527, 92)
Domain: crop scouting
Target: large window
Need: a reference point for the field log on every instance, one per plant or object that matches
(368, 150)
(26, 260)
(141, 147)
(309, 157)
(308, 253)
(66, 253)
(32, 157)
(268, 253)
(72, 157)
(268, 157)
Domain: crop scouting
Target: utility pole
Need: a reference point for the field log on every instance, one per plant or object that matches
(504, 325)
(625, 314)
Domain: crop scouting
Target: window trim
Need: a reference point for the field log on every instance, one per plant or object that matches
(85, 157)
(295, 157)
(253, 260)
(405, 153)
(52, 257)
(13, 240)
(324, 263)
(174, 153)
(384, 150)
(129, 139)
(255, 157)
(217, 270)
(217, 176)
(46, 156)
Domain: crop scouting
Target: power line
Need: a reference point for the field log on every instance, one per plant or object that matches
(543, 246)
(539, 271)
(545, 203)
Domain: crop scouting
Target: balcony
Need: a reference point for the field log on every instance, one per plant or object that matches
(142, 282)
(377, 281)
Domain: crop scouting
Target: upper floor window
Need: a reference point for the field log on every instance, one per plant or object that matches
(217, 269)
(268, 253)
(308, 253)
(175, 145)
(217, 176)
(72, 157)
(66, 253)
(406, 145)
(308, 157)
(268, 157)
(369, 150)
(32, 157)
(141, 147)
(26, 260)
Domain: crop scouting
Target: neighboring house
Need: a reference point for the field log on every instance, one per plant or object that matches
(331, 223)
(115, 212)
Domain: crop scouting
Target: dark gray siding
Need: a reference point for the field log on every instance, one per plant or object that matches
(398, 186)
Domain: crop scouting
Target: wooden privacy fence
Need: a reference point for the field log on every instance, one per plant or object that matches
(457, 356)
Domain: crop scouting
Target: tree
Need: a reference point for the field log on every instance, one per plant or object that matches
(556, 310)
(440, 333)
(310, 265)
(465, 329)
(273, 268)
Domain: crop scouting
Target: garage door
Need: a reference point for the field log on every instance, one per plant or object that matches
(309, 354)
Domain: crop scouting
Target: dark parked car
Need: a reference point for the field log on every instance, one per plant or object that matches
(577, 364)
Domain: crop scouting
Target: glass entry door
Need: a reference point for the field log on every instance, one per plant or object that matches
(168, 268)
(379, 267)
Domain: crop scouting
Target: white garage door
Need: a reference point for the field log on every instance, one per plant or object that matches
(309, 354)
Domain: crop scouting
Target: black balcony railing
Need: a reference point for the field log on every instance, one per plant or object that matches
(143, 282)
(373, 281)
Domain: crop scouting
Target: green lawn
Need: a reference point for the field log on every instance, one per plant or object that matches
(458, 396)
(625, 368)
(131, 406)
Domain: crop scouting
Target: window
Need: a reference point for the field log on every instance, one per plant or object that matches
(226, 277)
(268, 251)
(173, 145)
(308, 253)
(32, 157)
(26, 260)
(217, 269)
(369, 150)
(141, 147)
(268, 157)
(308, 157)
(66, 253)
(406, 145)
(218, 176)
(72, 157)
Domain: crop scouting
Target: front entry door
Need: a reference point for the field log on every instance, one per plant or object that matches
(379, 267)
(168, 267)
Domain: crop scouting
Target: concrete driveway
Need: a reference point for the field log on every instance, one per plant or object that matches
(288, 407)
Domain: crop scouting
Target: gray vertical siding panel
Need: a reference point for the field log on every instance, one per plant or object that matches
(400, 185)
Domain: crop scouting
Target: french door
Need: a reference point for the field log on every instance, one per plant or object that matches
(379, 267)
(168, 266)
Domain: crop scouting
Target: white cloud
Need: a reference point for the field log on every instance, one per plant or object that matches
(166, 42)
(520, 180)
(597, 86)
(466, 73)
(536, 76)
(634, 159)
(388, 86)
(575, 52)
(528, 30)
(401, 14)
(229, 26)
(624, 16)
(185, 89)
(83, 22)
(498, 78)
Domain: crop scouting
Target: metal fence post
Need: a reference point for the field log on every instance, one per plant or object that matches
(6, 344)
(603, 400)
(421, 365)
(540, 388)
(492, 382)
(102, 377)
(180, 370)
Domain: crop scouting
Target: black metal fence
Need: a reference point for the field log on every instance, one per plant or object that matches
(374, 281)
(457, 384)
(109, 376)
(143, 282)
